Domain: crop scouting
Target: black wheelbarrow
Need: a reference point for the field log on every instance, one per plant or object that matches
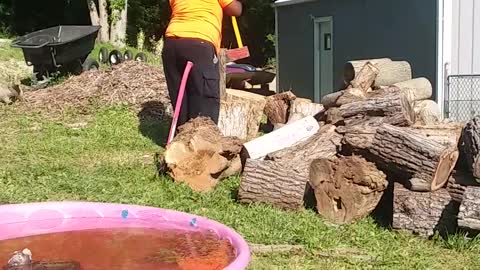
(63, 49)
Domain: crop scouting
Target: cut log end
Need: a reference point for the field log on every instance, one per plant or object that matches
(447, 163)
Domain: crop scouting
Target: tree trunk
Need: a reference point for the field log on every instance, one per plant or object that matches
(470, 145)
(394, 107)
(281, 138)
(392, 72)
(425, 161)
(424, 213)
(265, 181)
(118, 28)
(240, 114)
(469, 215)
(104, 35)
(277, 107)
(92, 7)
(427, 112)
(417, 89)
(286, 172)
(346, 189)
(199, 155)
(305, 107)
(365, 78)
(352, 68)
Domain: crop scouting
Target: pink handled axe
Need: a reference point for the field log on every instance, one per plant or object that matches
(178, 105)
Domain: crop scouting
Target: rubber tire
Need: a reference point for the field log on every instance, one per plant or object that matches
(128, 55)
(90, 64)
(141, 57)
(103, 55)
(115, 57)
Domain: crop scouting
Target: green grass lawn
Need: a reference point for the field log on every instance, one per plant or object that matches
(104, 157)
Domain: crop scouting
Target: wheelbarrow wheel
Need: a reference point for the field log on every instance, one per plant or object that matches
(128, 55)
(103, 55)
(141, 57)
(115, 57)
(90, 64)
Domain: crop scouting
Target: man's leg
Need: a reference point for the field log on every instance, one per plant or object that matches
(203, 89)
(173, 75)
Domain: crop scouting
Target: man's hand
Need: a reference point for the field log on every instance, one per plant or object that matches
(233, 9)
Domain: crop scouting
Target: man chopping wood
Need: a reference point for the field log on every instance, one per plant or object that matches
(194, 34)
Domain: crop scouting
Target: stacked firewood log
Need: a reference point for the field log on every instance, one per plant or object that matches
(381, 130)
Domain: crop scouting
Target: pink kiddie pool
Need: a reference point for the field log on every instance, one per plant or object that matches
(25, 220)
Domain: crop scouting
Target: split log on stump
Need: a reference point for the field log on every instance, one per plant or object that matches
(425, 161)
(241, 114)
(394, 107)
(392, 72)
(200, 155)
(427, 112)
(304, 107)
(352, 68)
(423, 213)
(469, 214)
(346, 189)
(281, 138)
(417, 89)
(365, 78)
(276, 108)
(282, 180)
(470, 146)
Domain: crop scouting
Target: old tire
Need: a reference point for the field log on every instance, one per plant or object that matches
(90, 64)
(141, 57)
(103, 55)
(115, 57)
(128, 55)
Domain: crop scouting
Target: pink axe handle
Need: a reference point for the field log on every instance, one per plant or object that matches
(178, 105)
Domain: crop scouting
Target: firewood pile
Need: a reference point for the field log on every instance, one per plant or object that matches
(381, 136)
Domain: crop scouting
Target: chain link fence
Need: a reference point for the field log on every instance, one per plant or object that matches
(462, 99)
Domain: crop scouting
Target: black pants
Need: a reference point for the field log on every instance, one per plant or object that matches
(202, 92)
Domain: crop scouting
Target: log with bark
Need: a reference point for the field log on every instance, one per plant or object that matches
(470, 146)
(424, 213)
(200, 156)
(304, 107)
(241, 114)
(417, 89)
(358, 136)
(352, 68)
(281, 138)
(276, 108)
(282, 179)
(365, 78)
(426, 162)
(330, 100)
(469, 214)
(346, 189)
(427, 112)
(394, 107)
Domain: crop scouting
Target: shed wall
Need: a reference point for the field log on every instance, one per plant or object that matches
(401, 30)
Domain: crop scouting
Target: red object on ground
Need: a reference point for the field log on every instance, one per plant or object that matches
(178, 105)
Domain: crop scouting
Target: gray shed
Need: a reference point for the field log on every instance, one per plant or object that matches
(439, 38)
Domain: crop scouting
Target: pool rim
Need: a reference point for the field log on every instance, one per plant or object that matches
(114, 211)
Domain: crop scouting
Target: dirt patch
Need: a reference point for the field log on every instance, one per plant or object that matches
(131, 83)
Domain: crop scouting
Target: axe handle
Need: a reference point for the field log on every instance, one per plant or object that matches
(237, 32)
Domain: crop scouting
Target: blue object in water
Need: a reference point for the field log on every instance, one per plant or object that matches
(193, 222)
(124, 213)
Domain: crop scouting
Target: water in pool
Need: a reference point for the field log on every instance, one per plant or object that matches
(126, 249)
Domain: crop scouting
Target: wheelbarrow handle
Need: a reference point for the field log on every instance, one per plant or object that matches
(15, 45)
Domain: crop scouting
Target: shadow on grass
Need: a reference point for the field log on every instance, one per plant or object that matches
(154, 122)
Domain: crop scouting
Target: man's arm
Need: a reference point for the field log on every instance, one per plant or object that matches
(233, 9)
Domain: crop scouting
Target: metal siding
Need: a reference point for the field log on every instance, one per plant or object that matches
(401, 30)
(465, 37)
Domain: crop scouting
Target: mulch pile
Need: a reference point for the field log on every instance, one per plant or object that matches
(131, 83)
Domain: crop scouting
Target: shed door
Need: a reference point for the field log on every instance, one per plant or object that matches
(323, 37)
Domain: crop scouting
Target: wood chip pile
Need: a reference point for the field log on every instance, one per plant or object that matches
(381, 133)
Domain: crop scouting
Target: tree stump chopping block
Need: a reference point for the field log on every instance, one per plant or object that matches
(347, 188)
(425, 161)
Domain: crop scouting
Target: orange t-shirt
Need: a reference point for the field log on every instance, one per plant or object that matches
(197, 19)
